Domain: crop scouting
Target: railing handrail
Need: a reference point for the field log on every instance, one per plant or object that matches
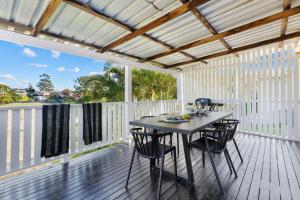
(39, 106)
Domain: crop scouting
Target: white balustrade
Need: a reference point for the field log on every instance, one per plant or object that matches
(261, 88)
(21, 130)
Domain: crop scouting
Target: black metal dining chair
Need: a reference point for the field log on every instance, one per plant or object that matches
(213, 140)
(230, 123)
(147, 145)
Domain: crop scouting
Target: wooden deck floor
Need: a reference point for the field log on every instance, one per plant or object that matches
(271, 170)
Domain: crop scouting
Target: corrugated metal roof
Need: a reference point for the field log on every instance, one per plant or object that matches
(172, 59)
(182, 30)
(23, 11)
(227, 14)
(141, 47)
(206, 49)
(255, 35)
(71, 22)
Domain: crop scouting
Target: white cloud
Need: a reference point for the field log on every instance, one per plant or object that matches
(75, 69)
(38, 65)
(61, 69)
(98, 61)
(55, 54)
(96, 73)
(28, 52)
(7, 77)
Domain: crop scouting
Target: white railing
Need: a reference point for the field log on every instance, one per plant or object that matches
(261, 88)
(21, 130)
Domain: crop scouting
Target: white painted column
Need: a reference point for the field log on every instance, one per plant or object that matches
(297, 109)
(180, 88)
(128, 101)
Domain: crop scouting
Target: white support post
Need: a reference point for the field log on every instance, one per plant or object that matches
(297, 98)
(128, 100)
(180, 87)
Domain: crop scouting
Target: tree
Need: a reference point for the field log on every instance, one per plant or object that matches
(150, 85)
(7, 95)
(106, 87)
(147, 85)
(30, 91)
(45, 83)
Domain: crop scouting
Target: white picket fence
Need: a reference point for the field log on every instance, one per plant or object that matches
(261, 88)
(21, 130)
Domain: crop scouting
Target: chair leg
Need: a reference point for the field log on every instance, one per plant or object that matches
(191, 138)
(203, 157)
(228, 162)
(237, 148)
(171, 142)
(214, 167)
(160, 176)
(175, 164)
(229, 158)
(128, 176)
(177, 143)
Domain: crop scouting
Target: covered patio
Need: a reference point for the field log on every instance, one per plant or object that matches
(242, 54)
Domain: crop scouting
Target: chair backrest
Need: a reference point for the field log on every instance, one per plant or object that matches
(145, 117)
(220, 135)
(148, 144)
(228, 123)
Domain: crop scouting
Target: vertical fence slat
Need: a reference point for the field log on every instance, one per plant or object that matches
(73, 129)
(38, 136)
(15, 140)
(3, 141)
(27, 137)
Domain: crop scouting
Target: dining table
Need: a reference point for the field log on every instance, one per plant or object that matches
(186, 129)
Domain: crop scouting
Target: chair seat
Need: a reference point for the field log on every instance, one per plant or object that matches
(200, 144)
(151, 152)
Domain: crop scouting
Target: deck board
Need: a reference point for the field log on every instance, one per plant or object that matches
(271, 170)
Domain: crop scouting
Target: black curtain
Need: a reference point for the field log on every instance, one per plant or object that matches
(55, 132)
(92, 122)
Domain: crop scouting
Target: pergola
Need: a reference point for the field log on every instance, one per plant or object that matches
(169, 34)
(238, 52)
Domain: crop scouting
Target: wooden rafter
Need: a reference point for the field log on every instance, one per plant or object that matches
(105, 17)
(22, 29)
(52, 6)
(158, 22)
(238, 49)
(242, 28)
(284, 22)
(207, 24)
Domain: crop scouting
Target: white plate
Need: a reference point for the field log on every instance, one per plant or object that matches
(174, 120)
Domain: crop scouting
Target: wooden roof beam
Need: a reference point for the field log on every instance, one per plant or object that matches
(284, 22)
(52, 6)
(207, 24)
(238, 49)
(156, 23)
(112, 20)
(242, 28)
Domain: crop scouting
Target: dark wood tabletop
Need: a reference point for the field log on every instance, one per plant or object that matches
(194, 125)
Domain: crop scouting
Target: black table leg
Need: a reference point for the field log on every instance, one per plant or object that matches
(188, 161)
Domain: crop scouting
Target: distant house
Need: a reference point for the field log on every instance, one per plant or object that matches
(21, 92)
(45, 93)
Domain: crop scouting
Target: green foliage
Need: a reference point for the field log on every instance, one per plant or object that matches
(147, 85)
(150, 85)
(106, 87)
(7, 95)
(45, 83)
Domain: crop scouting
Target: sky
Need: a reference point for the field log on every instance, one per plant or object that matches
(20, 65)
